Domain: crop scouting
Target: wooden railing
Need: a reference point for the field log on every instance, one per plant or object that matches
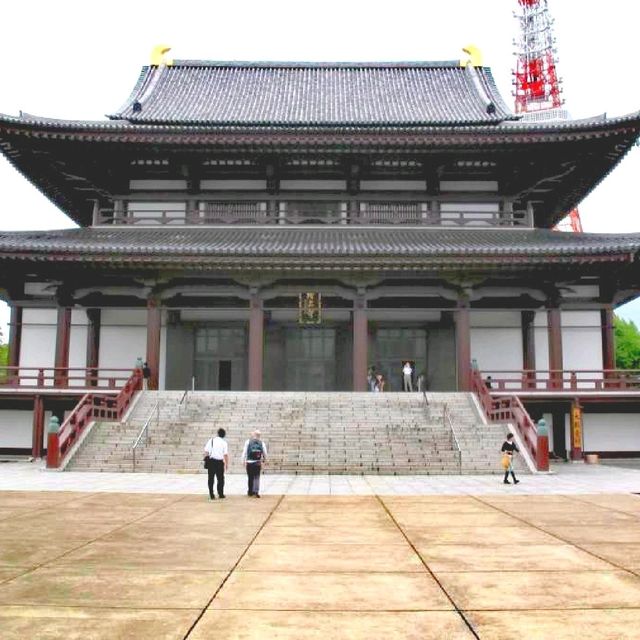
(316, 212)
(91, 406)
(591, 380)
(67, 378)
(510, 409)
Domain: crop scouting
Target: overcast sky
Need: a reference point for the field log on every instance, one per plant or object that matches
(70, 60)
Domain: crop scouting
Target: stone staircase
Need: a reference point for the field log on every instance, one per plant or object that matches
(337, 433)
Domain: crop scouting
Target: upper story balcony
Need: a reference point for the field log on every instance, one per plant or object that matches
(317, 212)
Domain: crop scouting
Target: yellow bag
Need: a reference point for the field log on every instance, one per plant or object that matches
(506, 461)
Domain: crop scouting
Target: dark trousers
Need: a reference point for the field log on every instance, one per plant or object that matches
(253, 478)
(216, 469)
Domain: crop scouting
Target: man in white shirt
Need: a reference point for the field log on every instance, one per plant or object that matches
(254, 455)
(217, 458)
(407, 373)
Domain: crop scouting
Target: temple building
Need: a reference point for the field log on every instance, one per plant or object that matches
(288, 226)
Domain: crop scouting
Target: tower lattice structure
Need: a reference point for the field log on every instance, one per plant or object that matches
(538, 94)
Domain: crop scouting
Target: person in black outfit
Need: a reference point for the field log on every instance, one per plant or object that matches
(216, 453)
(508, 447)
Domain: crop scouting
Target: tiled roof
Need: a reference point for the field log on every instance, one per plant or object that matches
(252, 245)
(315, 94)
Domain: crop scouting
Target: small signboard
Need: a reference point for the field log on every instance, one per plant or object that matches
(310, 308)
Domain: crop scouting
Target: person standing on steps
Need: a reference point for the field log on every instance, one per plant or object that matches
(508, 448)
(407, 376)
(146, 374)
(254, 455)
(217, 461)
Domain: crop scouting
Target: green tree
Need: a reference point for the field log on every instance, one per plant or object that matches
(4, 351)
(627, 344)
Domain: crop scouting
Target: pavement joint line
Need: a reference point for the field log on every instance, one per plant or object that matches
(87, 543)
(595, 504)
(233, 568)
(564, 540)
(459, 611)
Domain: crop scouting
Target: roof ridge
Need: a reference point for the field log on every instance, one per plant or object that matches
(309, 64)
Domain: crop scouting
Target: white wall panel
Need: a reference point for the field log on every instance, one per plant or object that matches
(78, 340)
(15, 428)
(496, 340)
(541, 340)
(315, 185)
(233, 185)
(157, 185)
(469, 185)
(393, 185)
(611, 431)
(123, 338)
(581, 340)
(38, 344)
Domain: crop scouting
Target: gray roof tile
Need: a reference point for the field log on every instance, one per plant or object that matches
(168, 244)
(315, 94)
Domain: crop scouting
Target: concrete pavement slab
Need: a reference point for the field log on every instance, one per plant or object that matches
(102, 587)
(623, 534)
(71, 623)
(509, 557)
(305, 558)
(331, 592)
(592, 624)
(325, 535)
(542, 590)
(490, 536)
(626, 556)
(312, 625)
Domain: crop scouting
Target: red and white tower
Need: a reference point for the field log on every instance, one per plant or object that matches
(538, 92)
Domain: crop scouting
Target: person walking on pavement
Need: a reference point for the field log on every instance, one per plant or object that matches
(508, 447)
(254, 455)
(217, 461)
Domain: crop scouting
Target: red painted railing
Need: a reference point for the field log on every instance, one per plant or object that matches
(90, 407)
(510, 409)
(67, 378)
(564, 380)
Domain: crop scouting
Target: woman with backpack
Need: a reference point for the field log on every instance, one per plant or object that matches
(254, 455)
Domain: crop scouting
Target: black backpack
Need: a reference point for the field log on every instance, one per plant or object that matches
(254, 451)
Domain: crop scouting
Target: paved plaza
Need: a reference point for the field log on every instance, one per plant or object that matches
(557, 557)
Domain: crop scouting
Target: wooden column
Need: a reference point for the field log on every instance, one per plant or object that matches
(463, 345)
(63, 338)
(360, 343)
(154, 315)
(93, 345)
(15, 339)
(554, 326)
(256, 342)
(528, 346)
(38, 427)
(608, 339)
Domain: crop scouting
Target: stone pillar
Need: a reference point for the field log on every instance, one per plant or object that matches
(256, 343)
(360, 343)
(463, 345)
(528, 348)
(608, 339)
(93, 346)
(15, 340)
(38, 427)
(554, 326)
(154, 316)
(63, 338)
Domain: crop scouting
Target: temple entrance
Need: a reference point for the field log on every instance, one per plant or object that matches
(395, 346)
(307, 358)
(220, 358)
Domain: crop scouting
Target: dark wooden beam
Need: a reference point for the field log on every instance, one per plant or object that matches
(37, 431)
(63, 339)
(554, 328)
(154, 316)
(256, 343)
(608, 338)
(360, 343)
(15, 336)
(93, 345)
(463, 344)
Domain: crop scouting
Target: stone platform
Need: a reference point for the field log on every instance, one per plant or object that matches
(173, 566)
